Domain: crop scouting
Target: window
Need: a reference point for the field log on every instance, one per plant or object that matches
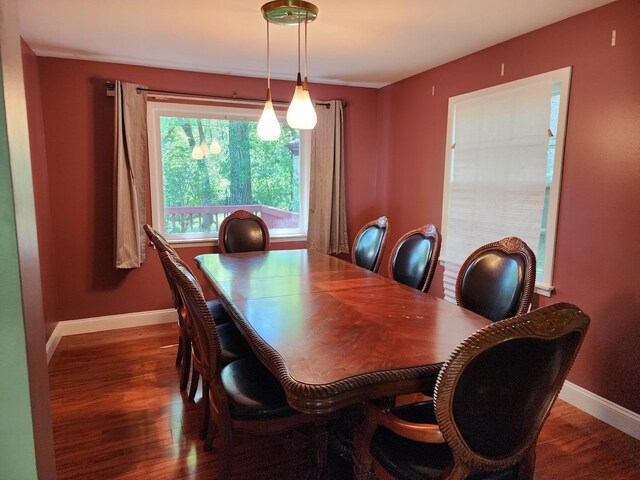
(207, 161)
(503, 169)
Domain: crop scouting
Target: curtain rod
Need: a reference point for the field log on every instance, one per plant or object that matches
(234, 98)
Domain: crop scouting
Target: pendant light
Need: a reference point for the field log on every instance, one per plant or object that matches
(268, 126)
(301, 113)
(215, 147)
(197, 153)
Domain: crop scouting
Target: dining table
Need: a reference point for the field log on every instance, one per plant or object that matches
(332, 333)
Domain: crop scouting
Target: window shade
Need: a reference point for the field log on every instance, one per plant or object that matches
(497, 175)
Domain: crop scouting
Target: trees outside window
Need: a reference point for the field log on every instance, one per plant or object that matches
(206, 162)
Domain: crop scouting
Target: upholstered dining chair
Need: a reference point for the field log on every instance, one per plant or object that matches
(232, 343)
(368, 247)
(497, 280)
(243, 231)
(492, 397)
(241, 395)
(414, 257)
(232, 336)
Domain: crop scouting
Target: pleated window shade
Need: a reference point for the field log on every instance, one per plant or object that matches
(496, 171)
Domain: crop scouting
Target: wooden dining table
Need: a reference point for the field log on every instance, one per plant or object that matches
(335, 334)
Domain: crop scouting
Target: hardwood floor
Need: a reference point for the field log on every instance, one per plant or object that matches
(118, 414)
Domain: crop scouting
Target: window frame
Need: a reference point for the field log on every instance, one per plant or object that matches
(543, 286)
(160, 108)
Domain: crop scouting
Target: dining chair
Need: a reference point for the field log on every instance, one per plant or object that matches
(414, 257)
(232, 343)
(369, 244)
(497, 280)
(242, 394)
(243, 231)
(232, 337)
(492, 397)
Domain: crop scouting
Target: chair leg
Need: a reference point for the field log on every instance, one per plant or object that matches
(225, 452)
(207, 409)
(180, 352)
(211, 433)
(193, 388)
(186, 364)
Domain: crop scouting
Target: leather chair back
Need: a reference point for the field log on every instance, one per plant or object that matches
(414, 257)
(369, 244)
(497, 280)
(496, 390)
(243, 232)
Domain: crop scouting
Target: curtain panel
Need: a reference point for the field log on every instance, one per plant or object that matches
(327, 230)
(130, 174)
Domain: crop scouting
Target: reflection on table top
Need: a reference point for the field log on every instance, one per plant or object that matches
(332, 332)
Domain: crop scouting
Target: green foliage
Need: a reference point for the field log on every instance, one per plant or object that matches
(274, 172)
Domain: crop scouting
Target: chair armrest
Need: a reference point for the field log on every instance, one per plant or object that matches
(420, 432)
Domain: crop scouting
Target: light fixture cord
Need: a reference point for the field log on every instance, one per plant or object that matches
(306, 20)
(268, 60)
(299, 36)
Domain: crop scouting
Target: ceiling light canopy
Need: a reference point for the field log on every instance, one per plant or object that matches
(289, 12)
(301, 113)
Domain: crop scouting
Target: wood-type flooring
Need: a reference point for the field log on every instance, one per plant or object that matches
(118, 414)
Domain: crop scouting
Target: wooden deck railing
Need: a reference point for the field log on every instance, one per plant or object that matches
(208, 218)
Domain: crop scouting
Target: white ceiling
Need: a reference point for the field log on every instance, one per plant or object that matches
(355, 42)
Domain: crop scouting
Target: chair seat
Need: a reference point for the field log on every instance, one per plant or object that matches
(410, 460)
(218, 311)
(253, 392)
(233, 346)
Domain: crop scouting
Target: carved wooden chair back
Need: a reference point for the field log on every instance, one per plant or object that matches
(496, 390)
(414, 257)
(491, 399)
(255, 381)
(161, 245)
(497, 280)
(243, 231)
(369, 244)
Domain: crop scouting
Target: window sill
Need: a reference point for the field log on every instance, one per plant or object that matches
(213, 242)
(544, 290)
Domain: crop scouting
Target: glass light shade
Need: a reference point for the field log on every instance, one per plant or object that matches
(268, 126)
(301, 113)
(197, 153)
(215, 147)
(204, 147)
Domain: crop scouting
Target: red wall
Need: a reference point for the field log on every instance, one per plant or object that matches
(39, 169)
(77, 222)
(597, 258)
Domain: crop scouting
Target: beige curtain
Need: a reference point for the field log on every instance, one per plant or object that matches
(327, 208)
(130, 174)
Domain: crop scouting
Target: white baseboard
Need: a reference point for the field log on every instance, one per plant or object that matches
(108, 322)
(611, 413)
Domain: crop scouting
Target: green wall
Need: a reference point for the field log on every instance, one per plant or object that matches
(17, 449)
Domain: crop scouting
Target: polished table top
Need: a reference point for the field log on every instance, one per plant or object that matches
(333, 333)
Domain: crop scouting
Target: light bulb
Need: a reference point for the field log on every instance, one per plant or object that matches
(268, 126)
(301, 113)
(204, 147)
(215, 147)
(197, 153)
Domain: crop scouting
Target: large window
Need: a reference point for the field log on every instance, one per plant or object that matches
(503, 169)
(207, 161)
